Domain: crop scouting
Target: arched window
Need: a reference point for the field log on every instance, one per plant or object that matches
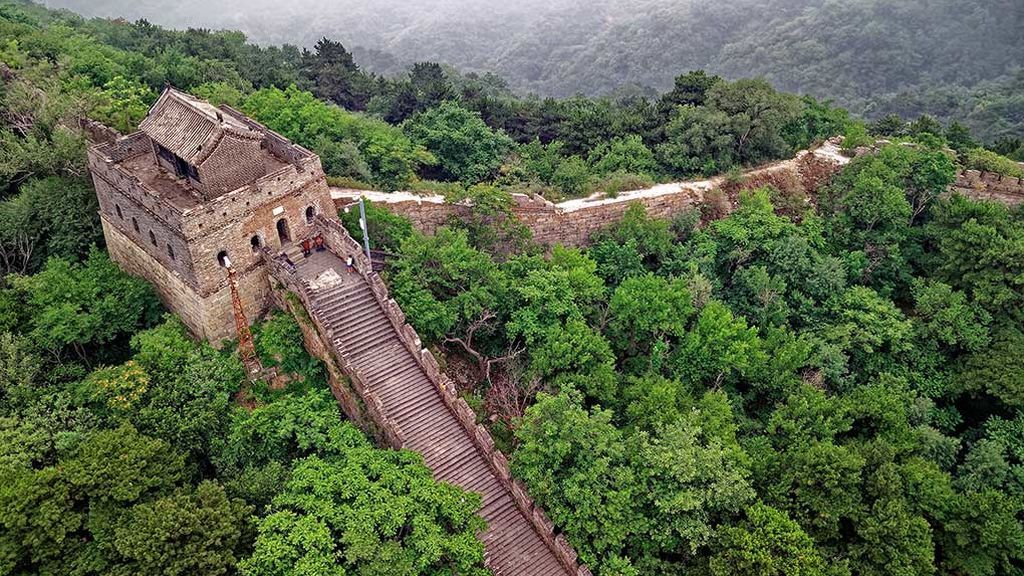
(310, 213)
(135, 224)
(222, 258)
(255, 242)
(170, 251)
(152, 238)
(118, 210)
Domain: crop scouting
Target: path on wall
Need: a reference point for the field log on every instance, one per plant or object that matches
(827, 152)
(571, 223)
(350, 313)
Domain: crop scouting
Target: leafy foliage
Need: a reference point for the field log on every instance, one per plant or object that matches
(374, 511)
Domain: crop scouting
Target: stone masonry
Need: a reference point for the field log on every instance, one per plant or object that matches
(571, 223)
(196, 187)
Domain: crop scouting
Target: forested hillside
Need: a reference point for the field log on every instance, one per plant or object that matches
(817, 386)
(943, 57)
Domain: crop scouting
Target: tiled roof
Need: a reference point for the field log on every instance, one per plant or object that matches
(188, 126)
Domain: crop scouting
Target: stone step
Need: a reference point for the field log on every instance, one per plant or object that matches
(365, 337)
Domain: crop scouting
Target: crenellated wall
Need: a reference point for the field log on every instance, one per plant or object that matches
(340, 242)
(572, 223)
(990, 186)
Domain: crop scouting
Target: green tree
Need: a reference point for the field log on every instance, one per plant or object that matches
(998, 370)
(87, 308)
(254, 458)
(767, 543)
(757, 116)
(467, 150)
(646, 310)
(628, 155)
(188, 399)
(695, 478)
(125, 104)
(689, 89)
(441, 282)
(188, 532)
(393, 158)
(575, 464)
(368, 511)
(698, 140)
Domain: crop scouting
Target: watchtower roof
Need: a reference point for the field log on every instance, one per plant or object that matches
(192, 128)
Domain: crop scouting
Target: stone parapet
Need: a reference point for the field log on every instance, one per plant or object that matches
(338, 239)
(573, 222)
(104, 163)
(234, 205)
(978, 185)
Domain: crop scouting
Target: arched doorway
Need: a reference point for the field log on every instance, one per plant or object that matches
(310, 213)
(282, 231)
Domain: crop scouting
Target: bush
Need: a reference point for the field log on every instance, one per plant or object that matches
(387, 230)
(856, 136)
(988, 161)
(617, 182)
(572, 176)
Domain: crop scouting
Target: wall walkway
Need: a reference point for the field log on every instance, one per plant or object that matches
(415, 407)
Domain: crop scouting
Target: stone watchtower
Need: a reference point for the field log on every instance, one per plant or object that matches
(199, 186)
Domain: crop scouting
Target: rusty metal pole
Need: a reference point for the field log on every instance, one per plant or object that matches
(246, 345)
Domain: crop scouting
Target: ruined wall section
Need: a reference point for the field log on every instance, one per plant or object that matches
(572, 223)
(990, 186)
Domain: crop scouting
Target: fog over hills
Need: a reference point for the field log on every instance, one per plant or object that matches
(874, 56)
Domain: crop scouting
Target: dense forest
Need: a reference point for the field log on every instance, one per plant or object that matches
(802, 386)
(954, 60)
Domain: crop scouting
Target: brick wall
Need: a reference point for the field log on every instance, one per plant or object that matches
(572, 223)
(209, 317)
(233, 233)
(989, 186)
(103, 167)
(181, 257)
(123, 212)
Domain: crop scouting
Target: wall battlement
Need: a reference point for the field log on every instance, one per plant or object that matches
(990, 186)
(571, 223)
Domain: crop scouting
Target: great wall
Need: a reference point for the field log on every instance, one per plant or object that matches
(572, 222)
(209, 206)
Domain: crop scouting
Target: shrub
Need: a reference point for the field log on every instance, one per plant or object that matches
(617, 182)
(988, 161)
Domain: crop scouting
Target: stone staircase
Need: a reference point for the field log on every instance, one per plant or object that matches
(371, 347)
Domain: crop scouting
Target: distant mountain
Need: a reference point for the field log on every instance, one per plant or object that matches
(874, 56)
